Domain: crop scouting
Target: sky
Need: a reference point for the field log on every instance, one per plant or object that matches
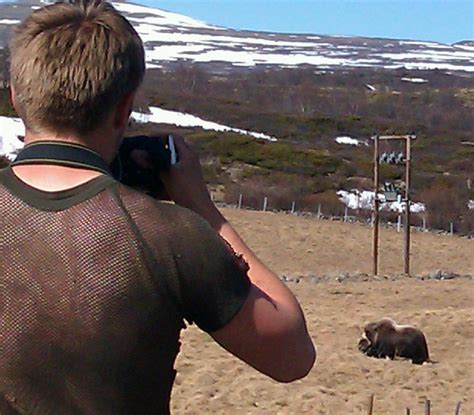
(445, 21)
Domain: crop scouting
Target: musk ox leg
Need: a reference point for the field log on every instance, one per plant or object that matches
(364, 345)
(386, 350)
(420, 356)
(416, 350)
(372, 351)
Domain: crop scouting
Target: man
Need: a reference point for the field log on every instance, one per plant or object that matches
(96, 279)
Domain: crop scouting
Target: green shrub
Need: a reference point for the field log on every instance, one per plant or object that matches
(6, 108)
(4, 162)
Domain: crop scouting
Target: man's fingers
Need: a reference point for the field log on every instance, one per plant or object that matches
(183, 150)
(141, 157)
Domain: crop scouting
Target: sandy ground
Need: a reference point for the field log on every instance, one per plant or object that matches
(209, 380)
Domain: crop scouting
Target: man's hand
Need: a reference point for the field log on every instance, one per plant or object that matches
(185, 184)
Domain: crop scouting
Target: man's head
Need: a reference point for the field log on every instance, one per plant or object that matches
(72, 64)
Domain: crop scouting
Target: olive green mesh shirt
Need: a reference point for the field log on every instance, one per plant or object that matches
(95, 285)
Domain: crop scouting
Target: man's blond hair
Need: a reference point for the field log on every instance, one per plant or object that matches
(71, 63)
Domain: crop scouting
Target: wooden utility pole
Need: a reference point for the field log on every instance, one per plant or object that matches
(407, 204)
(375, 242)
(375, 250)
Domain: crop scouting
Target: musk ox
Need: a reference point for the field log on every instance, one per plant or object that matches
(385, 338)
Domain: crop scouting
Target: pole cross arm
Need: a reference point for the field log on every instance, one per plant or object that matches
(395, 137)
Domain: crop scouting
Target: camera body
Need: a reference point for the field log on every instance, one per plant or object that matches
(140, 160)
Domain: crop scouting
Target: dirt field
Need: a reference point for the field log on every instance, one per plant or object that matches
(211, 381)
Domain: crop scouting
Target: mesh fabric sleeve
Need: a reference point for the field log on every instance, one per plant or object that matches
(213, 281)
(204, 277)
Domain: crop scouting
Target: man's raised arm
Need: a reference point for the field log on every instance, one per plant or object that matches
(269, 331)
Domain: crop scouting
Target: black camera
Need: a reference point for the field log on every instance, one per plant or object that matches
(140, 160)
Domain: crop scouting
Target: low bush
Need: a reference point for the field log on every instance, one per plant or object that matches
(4, 162)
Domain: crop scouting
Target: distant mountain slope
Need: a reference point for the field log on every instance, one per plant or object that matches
(171, 38)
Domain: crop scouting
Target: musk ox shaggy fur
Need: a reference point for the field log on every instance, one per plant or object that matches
(385, 338)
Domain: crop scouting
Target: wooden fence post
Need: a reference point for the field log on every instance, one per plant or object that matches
(293, 204)
(408, 411)
(427, 407)
(240, 200)
(319, 211)
(265, 204)
(457, 411)
(371, 405)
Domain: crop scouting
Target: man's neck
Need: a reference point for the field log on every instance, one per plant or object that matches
(52, 178)
(95, 141)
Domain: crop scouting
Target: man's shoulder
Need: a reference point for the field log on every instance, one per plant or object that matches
(145, 209)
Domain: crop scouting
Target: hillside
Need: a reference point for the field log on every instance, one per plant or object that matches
(427, 90)
(306, 113)
(172, 39)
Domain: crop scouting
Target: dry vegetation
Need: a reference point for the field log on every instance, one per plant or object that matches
(211, 381)
(306, 111)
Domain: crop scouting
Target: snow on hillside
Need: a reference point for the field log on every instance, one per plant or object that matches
(160, 17)
(9, 21)
(415, 80)
(350, 141)
(356, 199)
(10, 131)
(161, 116)
(12, 128)
(170, 37)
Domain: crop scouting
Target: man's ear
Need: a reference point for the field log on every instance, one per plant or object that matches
(123, 110)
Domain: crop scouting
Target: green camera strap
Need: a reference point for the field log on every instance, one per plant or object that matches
(62, 154)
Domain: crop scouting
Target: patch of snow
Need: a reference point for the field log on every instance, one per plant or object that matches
(13, 128)
(365, 199)
(415, 207)
(350, 141)
(149, 30)
(370, 87)
(465, 47)
(418, 43)
(243, 58)
(432, 55)
(470, 205)
(357, 199)
(168, 18)
(433, 65)
(9, 21)
(415, 80)
(10, 130)
(161, 116)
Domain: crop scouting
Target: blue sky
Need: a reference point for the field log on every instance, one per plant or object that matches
(446, 21)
